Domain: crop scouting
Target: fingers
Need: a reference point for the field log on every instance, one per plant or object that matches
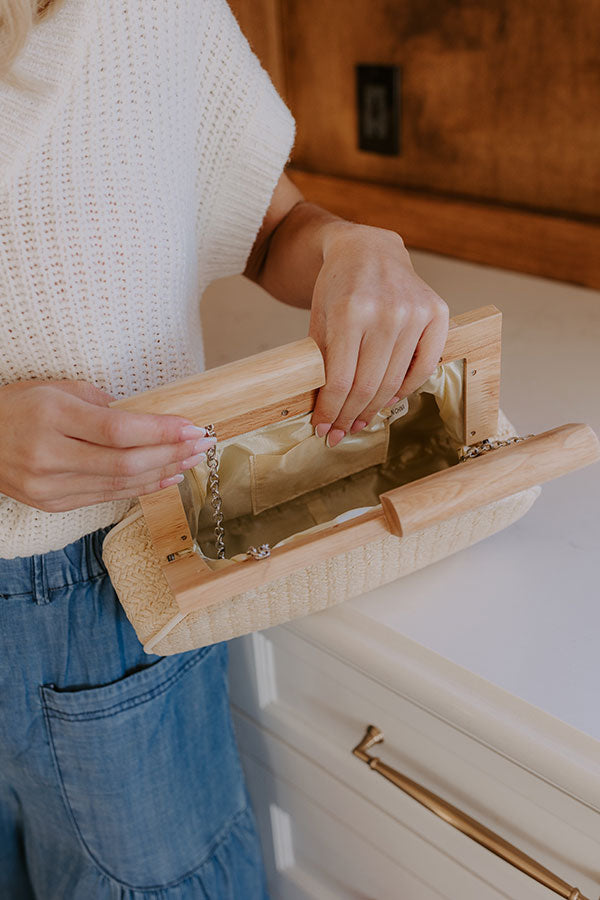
(71, 469)
(79, 484)
(119, 428)
(387, 364)
(63, 448)
(341, 359)
(370, 370)
(394, 374)
(414, 359)
(132, 463)
(426, 358)
(58, 493)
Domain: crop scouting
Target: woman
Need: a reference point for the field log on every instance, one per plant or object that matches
(142, 150)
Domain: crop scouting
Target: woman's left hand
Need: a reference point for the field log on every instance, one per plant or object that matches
(380, 328)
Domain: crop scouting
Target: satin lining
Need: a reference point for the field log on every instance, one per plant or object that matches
(262, 472)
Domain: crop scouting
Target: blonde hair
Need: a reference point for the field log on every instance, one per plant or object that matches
(17, 17)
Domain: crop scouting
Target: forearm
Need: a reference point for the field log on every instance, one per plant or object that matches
(294, 254)
(291, 259)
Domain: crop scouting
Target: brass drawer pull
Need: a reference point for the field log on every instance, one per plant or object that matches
(471, 827)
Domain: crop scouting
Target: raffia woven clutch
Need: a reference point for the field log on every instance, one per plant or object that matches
(276, 525)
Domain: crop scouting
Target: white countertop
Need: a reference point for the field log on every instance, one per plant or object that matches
(521, 609)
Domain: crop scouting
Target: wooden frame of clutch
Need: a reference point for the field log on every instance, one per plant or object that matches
(287, 380)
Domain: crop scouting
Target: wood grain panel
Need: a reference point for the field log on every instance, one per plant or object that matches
(260, 20)
(551, 246)
(500, 98)
(237, 389)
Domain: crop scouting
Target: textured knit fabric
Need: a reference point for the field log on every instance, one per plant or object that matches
(120, 777)
(139, 174)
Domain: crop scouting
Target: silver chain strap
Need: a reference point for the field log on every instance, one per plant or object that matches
(216, 500)
(259, 552)
(474, 450)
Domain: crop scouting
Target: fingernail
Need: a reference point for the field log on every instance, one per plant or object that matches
(393, 400)
(174, 479)
(334, 436)
(201, 444)
(357, 425)
(191, 461)
(322, 429)
(188, 432)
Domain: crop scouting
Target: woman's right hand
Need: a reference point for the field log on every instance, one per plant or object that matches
(62, 447)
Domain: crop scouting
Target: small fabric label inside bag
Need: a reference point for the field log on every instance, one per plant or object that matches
(398, 410)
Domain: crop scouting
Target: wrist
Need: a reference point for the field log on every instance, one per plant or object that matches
(342, 236)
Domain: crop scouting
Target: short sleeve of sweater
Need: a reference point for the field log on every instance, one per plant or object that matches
(139, 172)
(245, 140)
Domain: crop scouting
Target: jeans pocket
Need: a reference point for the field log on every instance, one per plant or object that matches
(148, 766)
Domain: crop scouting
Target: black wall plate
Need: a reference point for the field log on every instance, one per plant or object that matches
(378, 101)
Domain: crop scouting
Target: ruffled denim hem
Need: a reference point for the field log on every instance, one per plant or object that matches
(234, 871)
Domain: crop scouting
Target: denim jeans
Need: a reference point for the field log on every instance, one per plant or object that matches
(119, 771)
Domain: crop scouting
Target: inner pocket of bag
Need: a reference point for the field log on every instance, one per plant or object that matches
(308, 466)
(292, 492)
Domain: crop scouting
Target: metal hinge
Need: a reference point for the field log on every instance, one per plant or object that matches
(486, 446)
(187, 551)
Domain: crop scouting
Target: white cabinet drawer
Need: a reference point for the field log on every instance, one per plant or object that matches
(310, 851)
(324, 841)
(302, 710)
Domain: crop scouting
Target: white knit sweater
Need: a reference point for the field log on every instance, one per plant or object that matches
(141, 174)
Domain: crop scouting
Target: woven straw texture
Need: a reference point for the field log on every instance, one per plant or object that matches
(144, 593)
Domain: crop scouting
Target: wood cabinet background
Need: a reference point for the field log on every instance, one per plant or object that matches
(499, 113)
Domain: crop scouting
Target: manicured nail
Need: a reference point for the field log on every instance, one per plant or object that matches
(174, 479)
(322, 429)
(200, 445)
(189, 432)
(356, 426)
(334, 436)
(191, 461)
